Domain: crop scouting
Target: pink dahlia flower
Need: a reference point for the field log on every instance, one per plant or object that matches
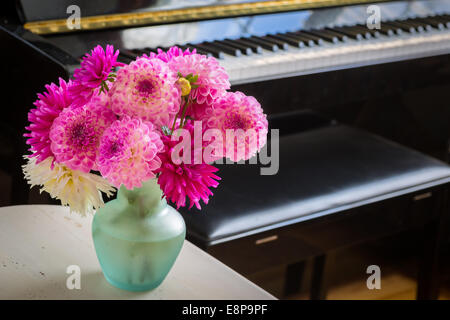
(128, 152)
(197, 111)
(146, 89)
(212, 78)
(95, 68)
(48, 107)
(170, 54)
(76, 133)
(181, 180)
(240, 116)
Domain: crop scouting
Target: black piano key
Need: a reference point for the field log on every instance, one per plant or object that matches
(198, 50)
(322, 35)
(280, 43)
(263, 43)
(256, 48)
(419, 28)
(434, 23)
(225, 48)
(130, 54)
(349, 32)
(395, 29)
(368, 33)
(316, 39)
(374, 32)
(331, 33)
(426, 26)
(217, 53)
(308, 41)
(155, 50)
(203, 52)
(124, 58)
(137, 52)
(444, 17)
(443, 20)
(147, 50)
(404, 27)
(341, 37)
(290, 40)
(244, 49)
(389, 31)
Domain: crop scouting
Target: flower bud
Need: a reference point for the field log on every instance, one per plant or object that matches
(185, 86)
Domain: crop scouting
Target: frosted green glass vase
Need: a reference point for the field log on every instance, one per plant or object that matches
(137, 238)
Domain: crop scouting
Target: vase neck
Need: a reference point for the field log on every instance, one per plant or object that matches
(146, 199)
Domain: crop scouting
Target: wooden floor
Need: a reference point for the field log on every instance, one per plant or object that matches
(396, 287)
(348, 276)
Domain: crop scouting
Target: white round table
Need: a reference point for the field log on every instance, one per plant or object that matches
(39, 242)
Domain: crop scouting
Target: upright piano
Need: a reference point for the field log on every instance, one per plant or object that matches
(291, 54)
(327, 56)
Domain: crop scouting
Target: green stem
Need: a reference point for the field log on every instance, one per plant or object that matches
(186, 104)
(183, 115)
(173, 125)
(174, 121)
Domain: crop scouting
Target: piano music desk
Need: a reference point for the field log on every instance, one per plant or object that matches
(39, 242)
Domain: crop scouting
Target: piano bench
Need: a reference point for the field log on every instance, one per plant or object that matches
(336, 186)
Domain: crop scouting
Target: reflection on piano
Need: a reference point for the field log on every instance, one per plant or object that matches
(283, 45)
(292, 53)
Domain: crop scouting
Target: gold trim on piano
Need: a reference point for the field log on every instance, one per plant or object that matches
(186, 14)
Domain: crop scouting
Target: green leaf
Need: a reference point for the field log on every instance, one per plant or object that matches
(104, 87)
(194, 79)
(166, 130)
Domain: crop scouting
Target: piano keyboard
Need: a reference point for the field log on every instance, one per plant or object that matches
(281, 55)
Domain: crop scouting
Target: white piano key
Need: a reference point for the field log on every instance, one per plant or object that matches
(271, 65)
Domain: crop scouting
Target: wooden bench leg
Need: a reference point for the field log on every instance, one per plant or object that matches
(293, 278)
(318, 290)
(427, 278)
(428, 274)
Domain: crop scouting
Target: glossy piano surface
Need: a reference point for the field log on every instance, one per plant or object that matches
(229, 39)
(50, 9)
(49, 16)
(182, 33)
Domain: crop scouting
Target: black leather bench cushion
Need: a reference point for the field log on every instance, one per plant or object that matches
(321, 171)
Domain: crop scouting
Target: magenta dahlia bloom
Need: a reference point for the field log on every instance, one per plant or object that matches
(95, 69)
(48, 107)
(197, 111)
(170, 54)
(243, 117)
(128, 152)
(146, 89)
(212, 78)
(182, 180)
(76, 133)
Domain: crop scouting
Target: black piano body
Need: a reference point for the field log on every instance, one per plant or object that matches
(384, 96)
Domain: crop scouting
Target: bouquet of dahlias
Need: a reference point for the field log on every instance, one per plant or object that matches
(165, 116)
